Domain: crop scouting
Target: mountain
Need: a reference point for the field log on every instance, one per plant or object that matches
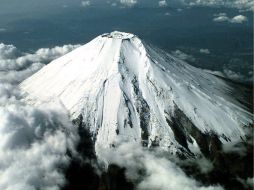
(124, 89)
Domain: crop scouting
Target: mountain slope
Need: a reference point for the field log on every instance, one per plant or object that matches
(127, 90)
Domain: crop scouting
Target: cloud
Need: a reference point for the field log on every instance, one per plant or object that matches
(250, 182)
(33, 146)
(242, 5)
(238, 76)
(204, 51)
(217, 73)
(233, 75)
(162, 3)
(183, 56)
(7, 51)
(16, 66)
(233, 147)
(239, 19)
(85, 3)
(128, 3)
(16, 77)
(222, 17)
(3, 30)
(159, 172)
(238, 4)
(65, 6)
(34, 140)
(114, 4)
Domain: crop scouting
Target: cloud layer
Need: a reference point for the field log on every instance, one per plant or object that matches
(159, 172)
(34, 140)
(33, 146)
(129, 3)
(237, 4)
(183, 56)
(222, 17)
(16, 66)
(85, 3)
(162, 3)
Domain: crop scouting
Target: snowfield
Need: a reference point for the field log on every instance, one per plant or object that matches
(127, 90)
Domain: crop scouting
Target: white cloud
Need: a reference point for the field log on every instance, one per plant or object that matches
(183, 56)
(204, 51)
(17, 66)
(232, 147)
(239, 19)
(238, 4)
(222, 17)
(159, 172)
(162, 3)
(128, 3)
(250, 182)
(85, 3)
(15, 77)
(242, 5)
(33, 146)
(233, 75)
(7, 51)
(220, 14)
(217, 73)
(34, 140)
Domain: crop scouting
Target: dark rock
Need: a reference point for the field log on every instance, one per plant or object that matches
(114, 179)
(81, 173)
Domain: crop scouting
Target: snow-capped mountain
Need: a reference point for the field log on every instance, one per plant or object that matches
(126, 89)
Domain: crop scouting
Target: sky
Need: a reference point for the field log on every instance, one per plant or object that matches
(215, 35)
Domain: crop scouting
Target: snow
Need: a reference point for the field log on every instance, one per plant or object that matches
(112, 78)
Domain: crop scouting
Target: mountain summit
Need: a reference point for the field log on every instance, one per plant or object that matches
(125, 89)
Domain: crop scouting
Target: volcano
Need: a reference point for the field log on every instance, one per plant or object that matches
(122, 88)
